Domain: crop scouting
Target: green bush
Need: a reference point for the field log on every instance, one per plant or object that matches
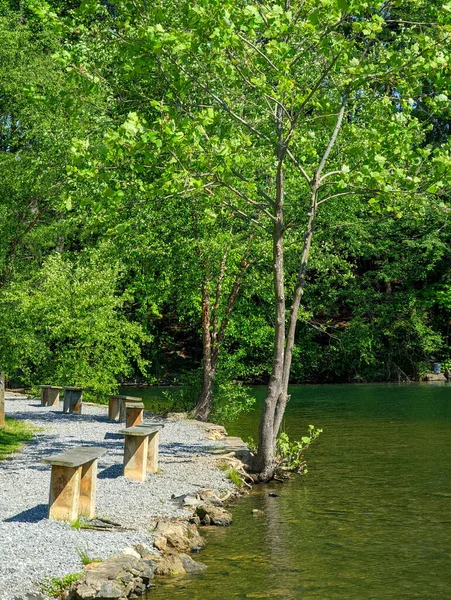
(55, 586)
(230, 398)
(66, 326)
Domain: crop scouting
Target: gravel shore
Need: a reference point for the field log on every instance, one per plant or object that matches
(33, 547)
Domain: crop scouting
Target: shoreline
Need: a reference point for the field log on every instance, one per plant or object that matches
(45, 548)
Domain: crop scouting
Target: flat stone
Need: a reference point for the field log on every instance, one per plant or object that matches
(75, 457)
(140, 430)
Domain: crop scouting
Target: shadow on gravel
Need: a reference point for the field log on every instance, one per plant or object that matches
(112, 472)
(178, 449)
(31, 515)
(113, 436)
(47, 445)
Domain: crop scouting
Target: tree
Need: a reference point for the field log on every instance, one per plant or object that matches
(291, 106)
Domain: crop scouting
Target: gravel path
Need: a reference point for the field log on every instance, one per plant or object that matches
(32, 547)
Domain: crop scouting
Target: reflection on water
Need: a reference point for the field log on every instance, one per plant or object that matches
(371, 520)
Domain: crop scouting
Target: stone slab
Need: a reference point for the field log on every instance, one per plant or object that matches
(75, 457)
(141, 430)
(52, 387)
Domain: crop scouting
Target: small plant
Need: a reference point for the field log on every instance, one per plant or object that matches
(251, 443)
(234, 477)
(80, 523)
(289, 454)
(85, 558)
(55, 586)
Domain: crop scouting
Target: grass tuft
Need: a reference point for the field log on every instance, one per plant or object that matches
(85, 558)
(55, 586)
(14, 435)
(234, 477)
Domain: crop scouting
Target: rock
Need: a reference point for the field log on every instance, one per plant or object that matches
(187, 500)
(257, 512)
(173, 564)
(109, 590)
(195, 520)
(160, 542)
(211, 497)
(180, 536)
(213, 431)
(191, 501)
(143, 550)
(92, 565)
(175, 416)
(213, 515)
(169, 565)
(116, 577)
(131, 552)
(190, 565)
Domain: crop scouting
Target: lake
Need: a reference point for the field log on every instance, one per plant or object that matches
(370, 520)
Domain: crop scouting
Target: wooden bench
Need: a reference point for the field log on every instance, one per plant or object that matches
(140, 451)
(134, 414)
(116, 406)
(50, 395)
(73, 483)
(73, 399)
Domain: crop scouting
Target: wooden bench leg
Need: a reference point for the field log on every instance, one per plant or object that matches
(135, 457)
(53, 398)
(64, 493)
(134, 416)
(114, 409)
(152, 453)
(44, 397)
(76, 403)
(66, 401)
(88, 486)
(122, 411)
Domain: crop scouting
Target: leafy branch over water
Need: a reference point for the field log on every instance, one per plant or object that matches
(290, 453)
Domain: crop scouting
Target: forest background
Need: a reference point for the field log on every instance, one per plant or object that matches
(122, 258)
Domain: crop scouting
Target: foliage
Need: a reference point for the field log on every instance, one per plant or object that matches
(290, 453)
(234, 477)
(85, 558)
(65, 325)
(55, 586)
(14, 435)
(230, 398)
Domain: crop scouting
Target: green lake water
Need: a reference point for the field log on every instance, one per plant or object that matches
(370, 521)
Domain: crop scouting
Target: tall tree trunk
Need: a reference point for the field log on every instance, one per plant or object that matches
(213, 333)
(204, 403)
(264, 460)
(294, 312)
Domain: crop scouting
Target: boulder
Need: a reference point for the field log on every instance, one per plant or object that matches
(190, 565)
(169, 565)
(173, 564)
(213, 515)
(131, 552)
(211, 497)
(180, 536)
(116, 577)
